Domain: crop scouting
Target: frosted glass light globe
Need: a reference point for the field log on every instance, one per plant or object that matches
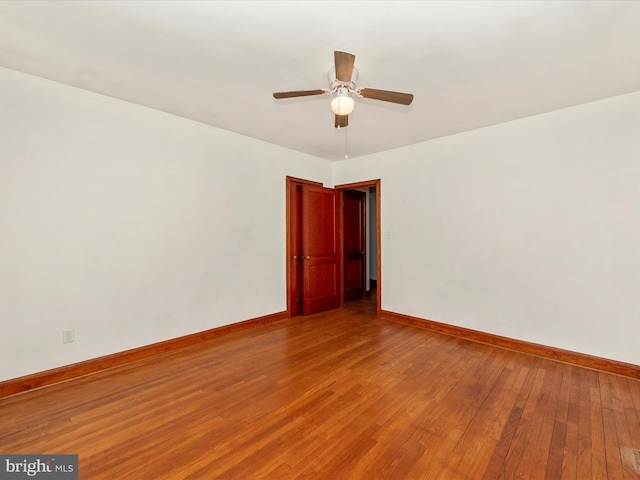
(342, 105)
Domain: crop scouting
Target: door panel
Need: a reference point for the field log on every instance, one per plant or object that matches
(295, 259)
(354, 241)
(320, 265)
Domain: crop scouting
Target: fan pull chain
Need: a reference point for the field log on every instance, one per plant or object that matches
(346, 130)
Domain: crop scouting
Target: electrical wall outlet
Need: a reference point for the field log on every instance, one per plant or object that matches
(68, 335)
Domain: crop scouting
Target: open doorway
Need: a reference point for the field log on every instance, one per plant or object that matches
(355, 254)
(360, 237)
(331, 264)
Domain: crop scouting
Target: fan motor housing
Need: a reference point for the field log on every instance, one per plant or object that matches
(335, 83)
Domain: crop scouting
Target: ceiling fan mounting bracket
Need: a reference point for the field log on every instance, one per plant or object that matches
(335, 84)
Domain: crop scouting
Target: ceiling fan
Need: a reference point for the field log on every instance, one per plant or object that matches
(342, 78)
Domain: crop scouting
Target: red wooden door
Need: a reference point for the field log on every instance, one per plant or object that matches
(295, 267)
(320, 249)
(354, 241)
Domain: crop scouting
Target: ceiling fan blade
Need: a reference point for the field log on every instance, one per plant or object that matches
(342, 121)
(387, 96)
(344, 65)
(298, 93)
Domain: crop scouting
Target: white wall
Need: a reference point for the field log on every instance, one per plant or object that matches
(528, 229)
(134, 226)
(130, 225)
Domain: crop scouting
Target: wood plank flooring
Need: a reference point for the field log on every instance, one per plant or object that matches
(337, 395)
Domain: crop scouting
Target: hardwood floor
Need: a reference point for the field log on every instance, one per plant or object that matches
(337, 395)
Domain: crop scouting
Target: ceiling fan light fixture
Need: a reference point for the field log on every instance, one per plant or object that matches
(342, 78)
(342, 104)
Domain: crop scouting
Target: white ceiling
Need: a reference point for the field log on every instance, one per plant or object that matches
(469, 64)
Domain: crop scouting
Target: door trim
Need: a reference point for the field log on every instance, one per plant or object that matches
(376, 184)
